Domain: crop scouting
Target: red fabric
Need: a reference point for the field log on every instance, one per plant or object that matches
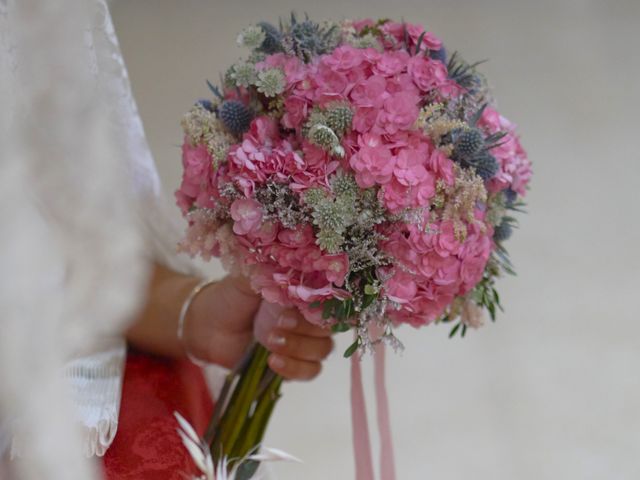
(147, 446)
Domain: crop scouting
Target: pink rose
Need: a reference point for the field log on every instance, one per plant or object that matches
(247, 216)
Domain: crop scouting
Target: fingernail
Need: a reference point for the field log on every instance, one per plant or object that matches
(287, 321)
(276, 340)
(276, 361)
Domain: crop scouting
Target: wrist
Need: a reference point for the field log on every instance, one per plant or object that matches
(188, 315)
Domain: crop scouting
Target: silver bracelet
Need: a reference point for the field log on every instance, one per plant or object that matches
(183, 315)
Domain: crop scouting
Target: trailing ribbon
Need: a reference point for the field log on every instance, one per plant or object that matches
(360, 434)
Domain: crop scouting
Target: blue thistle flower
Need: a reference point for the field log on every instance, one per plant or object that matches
(439, 55)
(510, 196)
(273, 40)
(503, 231)
(235, 116)
(206, 104)
(485, 165)
(468, 143)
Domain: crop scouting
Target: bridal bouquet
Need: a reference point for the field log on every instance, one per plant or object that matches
(356, 171)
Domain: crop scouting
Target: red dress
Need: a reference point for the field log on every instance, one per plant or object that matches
(147, 446)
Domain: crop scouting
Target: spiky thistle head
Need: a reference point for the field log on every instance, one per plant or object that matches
(468, 142)
(308, 39)
(272, 42)
(235, 116)
(503, 231)
(440, 55)
(485, 165)
(206, 104)
(510, 196)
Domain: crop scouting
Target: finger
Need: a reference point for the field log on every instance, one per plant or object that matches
(299, 346)
(294, 369)
(293, 321)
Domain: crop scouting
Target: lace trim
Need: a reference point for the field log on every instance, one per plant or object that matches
(95, 382)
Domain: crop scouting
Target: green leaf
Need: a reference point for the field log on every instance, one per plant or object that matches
(315, 304)
(327, 309)
(492, 311)
(348, 308)
(454, 330)
(247, 469)
(419, 42)
(352, 349)
(340, 327)
(368, 300)
(340, 311)
(464, 331)
(215, 90)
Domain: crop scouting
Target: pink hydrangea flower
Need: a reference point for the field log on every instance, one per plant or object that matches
(409, 168)
(401, 288)
(400, 112)
(373, 163)
(247, 216)
(427, 73)
(344, 58)
(334, 266)
(295, 111)
(391, 63)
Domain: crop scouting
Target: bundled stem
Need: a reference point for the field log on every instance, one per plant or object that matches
(243, 410)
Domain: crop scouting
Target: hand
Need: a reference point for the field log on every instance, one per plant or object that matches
(298, 347)
(220, 326)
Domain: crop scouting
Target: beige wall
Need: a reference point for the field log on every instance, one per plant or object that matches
(552, 390)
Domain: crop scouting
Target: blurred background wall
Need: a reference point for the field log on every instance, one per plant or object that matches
(552, 390)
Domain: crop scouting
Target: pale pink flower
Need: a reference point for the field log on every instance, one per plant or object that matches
(334, 266)
(247, 215)
(472, 315)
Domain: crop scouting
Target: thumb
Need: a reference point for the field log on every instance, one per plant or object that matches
(266, 320)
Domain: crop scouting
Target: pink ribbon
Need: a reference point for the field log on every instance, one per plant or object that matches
(361, 440)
